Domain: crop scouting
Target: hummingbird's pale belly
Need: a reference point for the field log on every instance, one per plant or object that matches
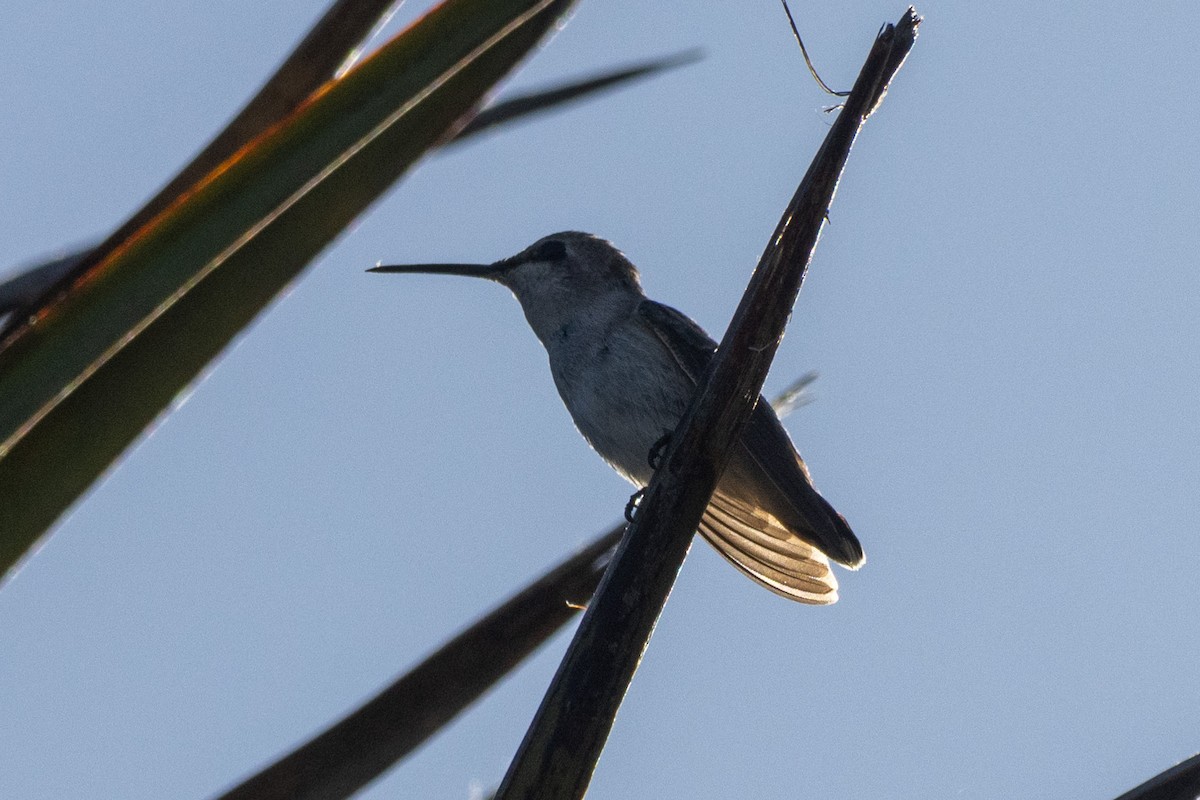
(624, 395)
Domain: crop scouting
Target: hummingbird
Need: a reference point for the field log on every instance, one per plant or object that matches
(626, 368)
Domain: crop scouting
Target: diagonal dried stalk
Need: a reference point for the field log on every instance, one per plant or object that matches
(560, 751)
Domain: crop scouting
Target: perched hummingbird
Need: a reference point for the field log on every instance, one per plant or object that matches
(627, 367)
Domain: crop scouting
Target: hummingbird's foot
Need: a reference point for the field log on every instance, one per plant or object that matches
(632, 505)
(656, 452)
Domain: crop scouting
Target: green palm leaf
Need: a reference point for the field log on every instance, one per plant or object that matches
(83, 378)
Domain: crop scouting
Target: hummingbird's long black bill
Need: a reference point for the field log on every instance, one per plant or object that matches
(492, 271)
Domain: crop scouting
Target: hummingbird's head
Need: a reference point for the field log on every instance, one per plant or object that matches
(572, 266)
(555, 278)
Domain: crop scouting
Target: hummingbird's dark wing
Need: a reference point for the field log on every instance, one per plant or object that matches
(765, 516)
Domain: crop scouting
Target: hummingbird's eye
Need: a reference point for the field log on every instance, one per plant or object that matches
(549, 250)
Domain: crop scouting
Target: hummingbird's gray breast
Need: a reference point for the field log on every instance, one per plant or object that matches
(622, 387)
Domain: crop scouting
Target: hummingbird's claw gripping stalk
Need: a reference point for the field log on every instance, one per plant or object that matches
(656, 452)
(632, 505)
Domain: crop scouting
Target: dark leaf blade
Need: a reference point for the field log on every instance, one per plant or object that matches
(101, 364)
(533, 103)
(364, 744)
(1180, 782)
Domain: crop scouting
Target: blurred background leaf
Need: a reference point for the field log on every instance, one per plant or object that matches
(389, 726)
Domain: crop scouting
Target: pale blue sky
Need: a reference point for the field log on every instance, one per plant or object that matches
(1002, 313)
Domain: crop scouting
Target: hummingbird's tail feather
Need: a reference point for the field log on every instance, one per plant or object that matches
(766, 552)
(775, 548)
